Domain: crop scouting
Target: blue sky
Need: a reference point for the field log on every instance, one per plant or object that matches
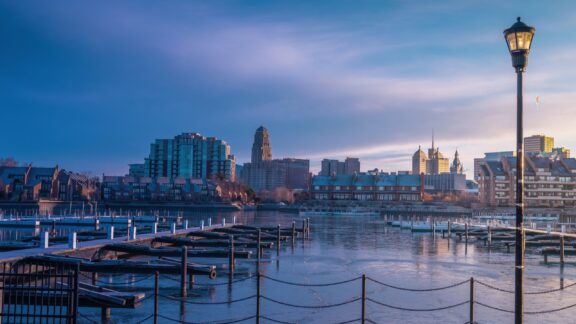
(89, 85)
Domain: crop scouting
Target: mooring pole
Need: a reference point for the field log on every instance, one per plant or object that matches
(278, 241)
(258, 298)
(156, 291)
(449, 229)
(183, 272)
(293, 233)
(363, 298)
(562, 250)
(304, 229)
(231, 256)
(471, 300)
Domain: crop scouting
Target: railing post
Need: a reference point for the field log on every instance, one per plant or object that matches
(471, 300)
(258, 298)
(183, 272)
(259, 249)
(363, 318)
(156, 291)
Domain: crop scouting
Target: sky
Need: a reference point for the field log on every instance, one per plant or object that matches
(88, 85)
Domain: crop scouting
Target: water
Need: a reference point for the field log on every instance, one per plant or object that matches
(343, 248)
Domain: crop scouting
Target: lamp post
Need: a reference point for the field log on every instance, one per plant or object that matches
(519, 38)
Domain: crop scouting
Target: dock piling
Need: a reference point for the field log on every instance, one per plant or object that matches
(110, 233)
(45, 240)
(449, 229)
(562, 250)
(489, 238)
(202, 225)
(231, 261)
(293, 233)
(209, 221)
(278, 241)
(155, 228)
(72, 240)
(185, 224)
(183, 272)
(233, 220)
(132, 235)
(173, 228)
(223, 221)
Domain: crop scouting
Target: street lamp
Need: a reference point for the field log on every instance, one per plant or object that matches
(519, 39)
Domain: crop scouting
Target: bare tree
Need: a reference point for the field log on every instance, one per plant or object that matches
(8, 162)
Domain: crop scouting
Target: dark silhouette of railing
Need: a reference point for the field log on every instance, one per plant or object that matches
(156, 316)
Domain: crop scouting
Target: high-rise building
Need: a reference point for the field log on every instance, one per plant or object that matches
(350, 166)
(261, 148)
(419, 162)
(538, 144)
(190, 155)
(266, 174)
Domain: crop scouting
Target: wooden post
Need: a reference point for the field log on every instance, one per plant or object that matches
(304, 229)
(183, 272)
(110, 233)
(278, 241)
(94, 278)
(489, 236)
(466, 232)
(231, 256)
(156, 291)
(449, 229)
(105, 314)
(471, 300)
(363, 299)
(72, 240)
(293, 233)
(562, 250)
(45, 240)
(258, 298)
(191, 280)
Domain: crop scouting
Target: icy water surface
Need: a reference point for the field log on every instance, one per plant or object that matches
(345, 248)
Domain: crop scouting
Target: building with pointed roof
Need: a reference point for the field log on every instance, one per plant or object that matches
(456, 167)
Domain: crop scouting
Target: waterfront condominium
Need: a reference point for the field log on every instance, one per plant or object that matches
(190, 155)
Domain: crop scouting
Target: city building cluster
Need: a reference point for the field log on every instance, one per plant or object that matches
(266, 175)
(549, 176)
(191, 168)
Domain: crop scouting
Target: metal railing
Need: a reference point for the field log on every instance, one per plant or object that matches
(362, 300)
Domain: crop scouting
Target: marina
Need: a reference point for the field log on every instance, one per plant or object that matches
(122, 271)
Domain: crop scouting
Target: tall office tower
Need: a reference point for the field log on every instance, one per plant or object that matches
(261, 149)
(351, 166)
(538, 144)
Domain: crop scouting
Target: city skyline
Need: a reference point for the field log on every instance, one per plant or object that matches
(89, 86)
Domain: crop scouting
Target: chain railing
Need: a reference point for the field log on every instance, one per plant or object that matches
(363, 300)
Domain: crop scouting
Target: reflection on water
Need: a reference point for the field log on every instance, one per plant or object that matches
(346, 247)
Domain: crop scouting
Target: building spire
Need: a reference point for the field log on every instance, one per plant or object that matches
(432, 138)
